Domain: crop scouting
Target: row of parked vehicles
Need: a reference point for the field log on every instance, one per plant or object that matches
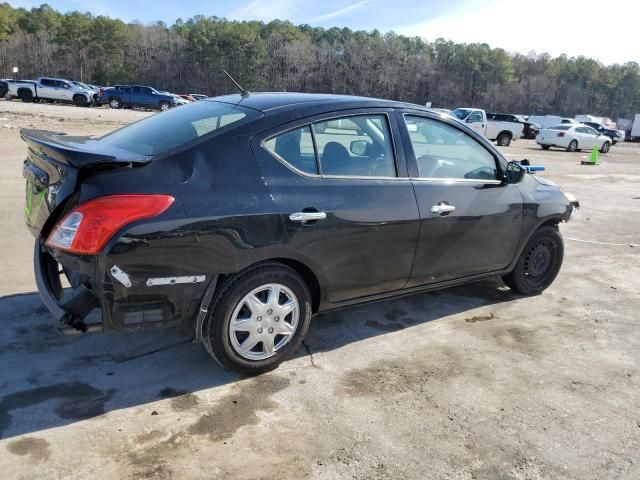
(85, 95)
(572, 134)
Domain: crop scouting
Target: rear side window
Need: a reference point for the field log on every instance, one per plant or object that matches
(296, 148)
(442, 151)
(176, 127)
(358, 146)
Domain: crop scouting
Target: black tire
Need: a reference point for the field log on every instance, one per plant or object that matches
(216, 336)
(115, 102)
(539, 262)
(26, 96)
(573, 146)
(80, 101)
(504, 139)
(545, 147)
(164, 106)
(605, 147)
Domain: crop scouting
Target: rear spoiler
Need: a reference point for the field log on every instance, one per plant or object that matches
(76, 151)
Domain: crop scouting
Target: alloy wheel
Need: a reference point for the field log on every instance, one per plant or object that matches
(264, 321)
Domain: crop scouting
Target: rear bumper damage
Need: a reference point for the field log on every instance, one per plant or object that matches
(124, 300)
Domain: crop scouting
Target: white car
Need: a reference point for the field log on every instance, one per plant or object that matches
(573, 137)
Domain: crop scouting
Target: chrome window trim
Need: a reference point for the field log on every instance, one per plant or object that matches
(496, 159)
(318, 164)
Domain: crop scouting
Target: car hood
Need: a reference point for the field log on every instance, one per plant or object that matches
(545, 182)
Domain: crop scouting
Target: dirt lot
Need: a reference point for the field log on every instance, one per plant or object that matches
(468, 383)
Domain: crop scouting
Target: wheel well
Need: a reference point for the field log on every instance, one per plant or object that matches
(300, 268)
(553, 222)
(20, 90)
(506, 132)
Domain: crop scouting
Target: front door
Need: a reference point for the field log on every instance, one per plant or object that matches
(470, 219)
(476, 122)
(337, 182)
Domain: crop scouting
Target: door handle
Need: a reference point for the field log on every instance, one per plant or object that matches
(442, 207)
(307, 216)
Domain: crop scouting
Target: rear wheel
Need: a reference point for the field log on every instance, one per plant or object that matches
(573, 146)
(258, 319)
(504, 139)
(605, 147)
(115, 103)
(26, 96)
(539, 262)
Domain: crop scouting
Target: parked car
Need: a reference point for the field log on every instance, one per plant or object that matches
(198, 96)
(4, 88)
(573, 137)
(93, 91)
(530, 130)
(615, 135)
(136, 96)
(245, 215)
(187, 98)
(503, 133)
(52, 89)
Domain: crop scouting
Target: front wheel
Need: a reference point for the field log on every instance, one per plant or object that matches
(539, 262)
(605, 147)
(80, 101)
(164, 106)
(258, 319)
(545, 147)
(504, 139)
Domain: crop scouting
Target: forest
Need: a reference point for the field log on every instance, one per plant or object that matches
(189, 56)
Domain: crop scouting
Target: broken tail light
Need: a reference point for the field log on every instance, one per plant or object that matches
(88, 227)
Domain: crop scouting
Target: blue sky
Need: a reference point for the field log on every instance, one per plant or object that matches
(556, 26)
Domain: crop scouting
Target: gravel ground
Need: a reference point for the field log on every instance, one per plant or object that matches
(467, 383)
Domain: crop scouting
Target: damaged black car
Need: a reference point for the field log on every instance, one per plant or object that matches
(244, 215)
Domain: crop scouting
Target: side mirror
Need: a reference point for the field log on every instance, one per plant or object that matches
(515, 172)
(358, 147)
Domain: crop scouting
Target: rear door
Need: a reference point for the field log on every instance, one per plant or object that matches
(470, 219)
(137, 99)
(47, 88)
(340, 186)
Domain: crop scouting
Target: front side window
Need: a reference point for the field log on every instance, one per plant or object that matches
(358, 146)
(442, 151)
(475, 117)
(168, 130)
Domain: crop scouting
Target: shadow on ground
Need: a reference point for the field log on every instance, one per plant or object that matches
(48, 379)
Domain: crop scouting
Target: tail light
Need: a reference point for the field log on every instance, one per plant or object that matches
(561, 134)
(87, 228)
(101, 92)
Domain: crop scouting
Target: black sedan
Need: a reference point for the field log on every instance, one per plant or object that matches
(245, 215)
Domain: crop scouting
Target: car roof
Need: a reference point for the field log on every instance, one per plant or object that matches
(268, 101)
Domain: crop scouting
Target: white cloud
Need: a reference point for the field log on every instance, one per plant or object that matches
(340, 12)
(607, 32)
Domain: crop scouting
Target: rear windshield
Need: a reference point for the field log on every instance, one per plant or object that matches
(171, 129)
(560, 127)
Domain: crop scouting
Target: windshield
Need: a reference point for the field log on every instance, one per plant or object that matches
(167, 130)
(461, 113)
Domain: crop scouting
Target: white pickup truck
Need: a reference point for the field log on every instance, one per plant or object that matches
(46, 88)
(502, 132)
